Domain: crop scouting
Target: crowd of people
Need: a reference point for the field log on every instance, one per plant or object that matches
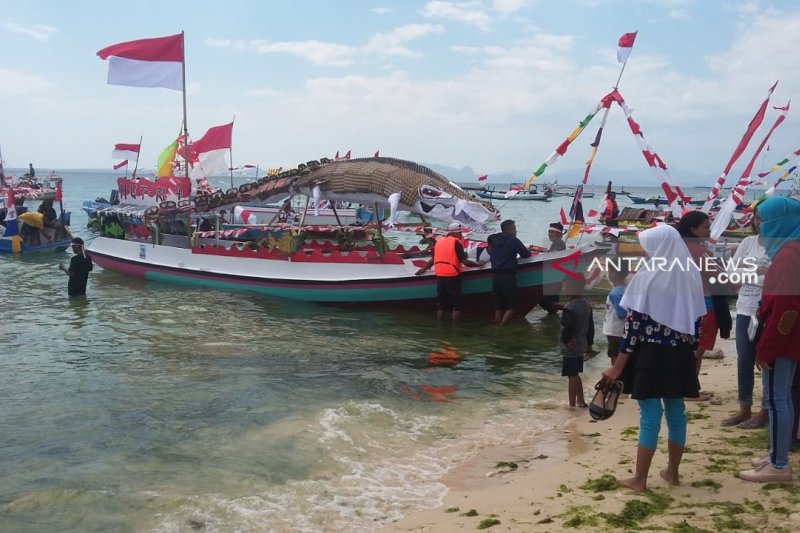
(662, 323)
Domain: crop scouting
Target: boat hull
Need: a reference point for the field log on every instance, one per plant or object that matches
(333, 283)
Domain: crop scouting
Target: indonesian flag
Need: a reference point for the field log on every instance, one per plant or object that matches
(347, 155)
(378, 153)
(121, 164)
(245, 215)
(483, 178)
(512, 191)
(210, 151)
(59, 194)
(156, 62)
(625, 46)
(336, 157)
(126, 151)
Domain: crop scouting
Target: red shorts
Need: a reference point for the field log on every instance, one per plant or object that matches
(708, 331)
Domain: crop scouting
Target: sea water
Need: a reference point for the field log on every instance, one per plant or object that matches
(151, 407)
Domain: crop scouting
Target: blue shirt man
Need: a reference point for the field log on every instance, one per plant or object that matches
(503, 249)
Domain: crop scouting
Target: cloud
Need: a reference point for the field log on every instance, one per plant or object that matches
(16, 83)
(39, 32)
(391, 43)
(218, 43)
(381, 10)
(316, 52)
(470, 13)
(506, 7)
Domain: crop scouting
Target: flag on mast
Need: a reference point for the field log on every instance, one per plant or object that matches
(207, 154)
(121, 164)
(625, 46)
(126, 151)
(483, 178)
(154, 62)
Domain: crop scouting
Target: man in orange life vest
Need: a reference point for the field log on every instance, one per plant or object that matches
(448, 261)
(610, 208)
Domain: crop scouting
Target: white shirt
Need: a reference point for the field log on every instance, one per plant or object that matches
(749, 295)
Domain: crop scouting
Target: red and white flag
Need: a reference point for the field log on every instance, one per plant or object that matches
(208, 152)
(483, 178)
(126, 151)
(121, 164)
(563, 215)
(59, 194)
(377, 154)
(347, 155)
(336, 157)
(625, 46)
(513, 191)
(155, 62)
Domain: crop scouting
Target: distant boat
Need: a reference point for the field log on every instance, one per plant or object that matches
(515, 192)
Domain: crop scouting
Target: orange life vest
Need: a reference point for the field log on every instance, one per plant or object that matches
(609, 211)
(445, 260)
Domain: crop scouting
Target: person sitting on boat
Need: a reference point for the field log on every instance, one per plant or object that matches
(79, 267)
(610, 208)
(49, 214)
(555, 233)
(504, 247)
(448, 261)
(286, 214)
(31, 173)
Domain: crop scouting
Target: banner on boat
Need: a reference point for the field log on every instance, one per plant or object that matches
(144, 192)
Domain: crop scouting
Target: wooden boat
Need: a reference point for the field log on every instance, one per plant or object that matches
(25, 231)
(515, 194)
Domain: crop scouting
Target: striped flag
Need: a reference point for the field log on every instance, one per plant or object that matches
(121, 164)
(155, 62)
(625, 46)
(126, 151)
(483, 178)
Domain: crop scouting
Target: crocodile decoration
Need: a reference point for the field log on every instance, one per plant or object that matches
(382, 181)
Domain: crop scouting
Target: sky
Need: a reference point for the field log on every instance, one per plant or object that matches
(494, 85)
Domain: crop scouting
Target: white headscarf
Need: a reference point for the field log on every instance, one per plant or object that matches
(672, 296)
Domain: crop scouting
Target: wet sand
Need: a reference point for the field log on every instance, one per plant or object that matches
(567, 479)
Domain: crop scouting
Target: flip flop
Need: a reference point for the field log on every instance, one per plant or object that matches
(734, 420)
(748, 424)
(604, 403)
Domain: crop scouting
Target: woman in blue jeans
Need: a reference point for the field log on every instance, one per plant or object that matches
(656, 359)
(777, 350)
(749, 253)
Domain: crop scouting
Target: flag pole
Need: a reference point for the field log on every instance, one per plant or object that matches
(185, 125)
(230, 149)
(136, 165)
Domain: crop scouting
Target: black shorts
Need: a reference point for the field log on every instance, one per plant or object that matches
(504, 290)
(571, 366)
(448, 293)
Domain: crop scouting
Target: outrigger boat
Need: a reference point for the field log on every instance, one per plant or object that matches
(25, 231)
(357, 270)
(515, 193)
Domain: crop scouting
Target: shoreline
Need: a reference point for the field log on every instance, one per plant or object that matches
(570, 488)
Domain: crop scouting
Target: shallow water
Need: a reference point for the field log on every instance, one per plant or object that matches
(149, 407)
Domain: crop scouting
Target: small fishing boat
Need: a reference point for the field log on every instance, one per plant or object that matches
(515, 192)
(26, 231)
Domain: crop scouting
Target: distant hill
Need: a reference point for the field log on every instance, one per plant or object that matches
(599, 176)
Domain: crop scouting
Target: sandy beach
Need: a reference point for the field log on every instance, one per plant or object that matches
(568, 482)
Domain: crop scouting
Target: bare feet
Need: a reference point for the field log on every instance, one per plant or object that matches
(634, 484)
(670, 478)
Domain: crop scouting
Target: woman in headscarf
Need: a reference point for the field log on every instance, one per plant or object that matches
(665, 302)
(777, 349)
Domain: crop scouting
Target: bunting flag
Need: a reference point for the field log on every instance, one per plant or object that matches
(769, 192)
(155, 62)
(780, 163)
(736, 197)
(336, 157)
(121, 164)
(166, 160)
(563, 216)
(625, 46)
(740, 148)
(126, 151)
(346, 156)
(207, 155)
(672, 192)
(563, 147)
(483, 178)
(11, 215)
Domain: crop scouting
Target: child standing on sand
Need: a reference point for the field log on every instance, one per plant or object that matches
(577, 334)
(614, 323)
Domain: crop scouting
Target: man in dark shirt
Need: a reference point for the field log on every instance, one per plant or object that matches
(78, 271)
(503, 249)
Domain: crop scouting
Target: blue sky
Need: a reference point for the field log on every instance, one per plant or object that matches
(490, 84)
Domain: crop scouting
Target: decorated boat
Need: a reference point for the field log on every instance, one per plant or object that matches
(347, 268)
(25, 231)
(515, 192)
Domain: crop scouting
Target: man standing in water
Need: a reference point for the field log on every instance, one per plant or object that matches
(504, 248)
(79, 267)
